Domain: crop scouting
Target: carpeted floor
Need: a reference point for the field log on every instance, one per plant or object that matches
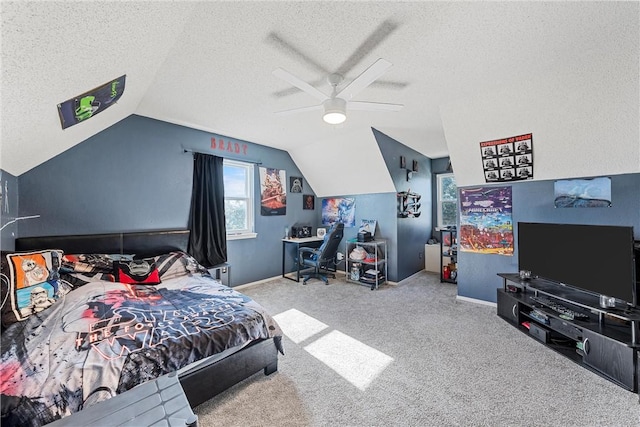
(410, 355)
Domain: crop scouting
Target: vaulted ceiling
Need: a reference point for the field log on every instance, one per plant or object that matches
(209, 65)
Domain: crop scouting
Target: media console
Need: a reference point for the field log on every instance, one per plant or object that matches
(605, 341)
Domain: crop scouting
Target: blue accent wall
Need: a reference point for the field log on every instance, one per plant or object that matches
(380, 207)
(412, 232)
(9, 210)
(533, 202)
(135, 176)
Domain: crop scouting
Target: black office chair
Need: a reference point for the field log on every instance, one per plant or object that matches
(320, 259)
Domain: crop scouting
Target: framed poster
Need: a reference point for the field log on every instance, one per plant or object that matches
(582, 193)
(508, 159)
(273, 196)
(295, 184)
(486, 223)
(308, 202)
(339, 209)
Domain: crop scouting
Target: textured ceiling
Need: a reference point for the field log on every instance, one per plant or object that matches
(208, 65)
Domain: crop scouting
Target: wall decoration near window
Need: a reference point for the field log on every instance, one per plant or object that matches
(308, 202)
(273, 199)
(339, 209)
(87, 105)
(295, 184)
(508, 159)
(486, 224)
(410, 172)
(408, 204)
(583, 193)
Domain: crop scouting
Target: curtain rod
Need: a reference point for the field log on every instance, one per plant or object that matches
(239, 159)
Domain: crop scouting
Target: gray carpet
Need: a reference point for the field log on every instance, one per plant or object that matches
(455, 363)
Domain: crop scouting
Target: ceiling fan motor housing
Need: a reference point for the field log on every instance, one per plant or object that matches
(335, 110)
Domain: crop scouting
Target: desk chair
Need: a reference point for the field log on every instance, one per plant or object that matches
(321, 258)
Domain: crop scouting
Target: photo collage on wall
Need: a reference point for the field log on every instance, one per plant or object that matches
(508, 159)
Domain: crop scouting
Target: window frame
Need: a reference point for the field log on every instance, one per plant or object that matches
(439, 200)
(249, 168)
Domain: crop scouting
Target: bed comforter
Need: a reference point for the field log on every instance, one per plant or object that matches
(103, 338)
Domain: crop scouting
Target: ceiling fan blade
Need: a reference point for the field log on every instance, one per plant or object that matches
(291, 90)
(296, 53)
(388, 84)
(366, 47)
(300, 84)
(373, 106)
(365, 79)
(299, 110)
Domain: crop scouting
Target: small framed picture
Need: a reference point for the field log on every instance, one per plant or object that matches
(295, 184)
(403, 162)
(308, 201)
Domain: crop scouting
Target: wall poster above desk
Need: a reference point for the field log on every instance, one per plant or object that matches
(273, 196)
(508, 159)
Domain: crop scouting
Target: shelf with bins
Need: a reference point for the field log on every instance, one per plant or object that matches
(366, 262)
(449, 255)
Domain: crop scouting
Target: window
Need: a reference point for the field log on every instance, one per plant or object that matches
(447, 200)
(238, 199)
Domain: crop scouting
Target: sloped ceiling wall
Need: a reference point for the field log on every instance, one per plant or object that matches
(581, 104)
(52, 51)
(474, 71)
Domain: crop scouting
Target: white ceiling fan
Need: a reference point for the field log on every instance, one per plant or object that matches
(335, 106)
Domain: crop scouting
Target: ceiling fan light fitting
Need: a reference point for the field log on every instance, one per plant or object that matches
(335, 111)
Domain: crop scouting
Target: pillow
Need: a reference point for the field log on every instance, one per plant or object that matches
(139, 271)
(91, 263)
(177, 264)
(30, 283)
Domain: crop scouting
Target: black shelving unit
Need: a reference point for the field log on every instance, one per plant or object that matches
(448, 256)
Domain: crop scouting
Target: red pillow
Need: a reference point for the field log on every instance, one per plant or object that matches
(139, 271)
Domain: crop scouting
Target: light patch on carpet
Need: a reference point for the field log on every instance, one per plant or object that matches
(298, 326)
(354, 361)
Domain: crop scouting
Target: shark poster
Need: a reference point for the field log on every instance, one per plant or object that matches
(583, 193)
(87, 105)
(486, 224)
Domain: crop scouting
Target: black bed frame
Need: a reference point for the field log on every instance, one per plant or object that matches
(206, 381)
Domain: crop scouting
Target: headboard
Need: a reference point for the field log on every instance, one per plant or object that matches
(141, 243)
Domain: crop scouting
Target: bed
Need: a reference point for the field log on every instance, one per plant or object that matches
(120, 309)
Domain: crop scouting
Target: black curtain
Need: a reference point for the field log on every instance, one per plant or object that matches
(208, 238)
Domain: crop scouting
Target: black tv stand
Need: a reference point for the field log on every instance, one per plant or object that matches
(606, 342)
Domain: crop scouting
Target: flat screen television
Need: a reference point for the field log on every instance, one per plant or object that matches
(598, 259)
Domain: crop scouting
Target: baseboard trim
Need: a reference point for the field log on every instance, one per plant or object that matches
(477, 301)
(257, 282)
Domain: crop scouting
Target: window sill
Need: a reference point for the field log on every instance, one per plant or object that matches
(241, 236)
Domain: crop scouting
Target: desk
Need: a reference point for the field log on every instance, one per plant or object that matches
(296, 244)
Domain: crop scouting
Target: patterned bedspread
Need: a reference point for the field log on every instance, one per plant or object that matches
(103, 338)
